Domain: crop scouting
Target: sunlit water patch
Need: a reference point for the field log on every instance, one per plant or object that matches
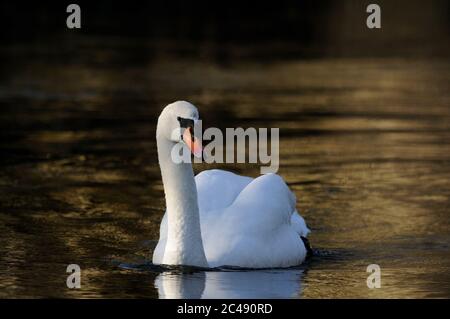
(364, 144)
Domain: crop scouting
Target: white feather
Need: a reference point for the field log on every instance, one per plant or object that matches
(244, 222)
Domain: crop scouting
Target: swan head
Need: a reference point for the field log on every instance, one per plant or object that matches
(176, 124)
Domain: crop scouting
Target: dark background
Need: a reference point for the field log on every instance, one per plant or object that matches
(261, 28)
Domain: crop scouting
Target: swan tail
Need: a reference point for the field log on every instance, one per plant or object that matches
(299, 224)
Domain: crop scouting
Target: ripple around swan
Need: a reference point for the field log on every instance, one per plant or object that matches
(229, 281)
(223, 282)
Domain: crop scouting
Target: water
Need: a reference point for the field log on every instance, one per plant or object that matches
(364, 145)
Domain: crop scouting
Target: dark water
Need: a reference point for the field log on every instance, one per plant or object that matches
(364, 145)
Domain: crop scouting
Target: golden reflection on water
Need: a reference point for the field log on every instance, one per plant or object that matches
(364, 145)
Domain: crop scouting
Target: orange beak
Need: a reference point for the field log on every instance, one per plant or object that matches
(194, 144)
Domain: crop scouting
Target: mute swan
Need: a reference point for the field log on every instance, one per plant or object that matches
(219, 218)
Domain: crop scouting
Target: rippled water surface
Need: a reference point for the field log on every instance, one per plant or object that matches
(365, 145)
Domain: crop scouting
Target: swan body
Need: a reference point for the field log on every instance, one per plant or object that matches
(219, 218)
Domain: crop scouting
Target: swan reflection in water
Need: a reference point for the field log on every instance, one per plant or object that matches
(282, 283)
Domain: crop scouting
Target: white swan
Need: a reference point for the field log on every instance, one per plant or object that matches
(220, 218)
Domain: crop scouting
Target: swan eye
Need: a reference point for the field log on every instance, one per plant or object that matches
(185, 123)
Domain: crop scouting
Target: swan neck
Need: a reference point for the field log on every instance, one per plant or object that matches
(184, 244)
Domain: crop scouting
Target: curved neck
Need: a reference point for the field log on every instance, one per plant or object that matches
(184, 244)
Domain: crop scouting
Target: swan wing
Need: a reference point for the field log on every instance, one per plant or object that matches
(272, 203)
(256, 230)
(217, 189)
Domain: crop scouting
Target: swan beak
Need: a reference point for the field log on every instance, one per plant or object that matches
(194, 144)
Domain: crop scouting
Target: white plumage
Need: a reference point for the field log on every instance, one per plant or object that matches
(243, 221)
